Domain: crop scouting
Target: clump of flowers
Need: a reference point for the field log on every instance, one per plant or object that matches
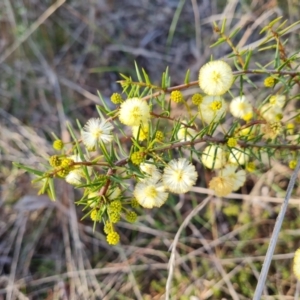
(135, 155)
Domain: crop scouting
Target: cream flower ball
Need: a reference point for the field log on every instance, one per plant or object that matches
(221, 185)
(134, 112)
(215, 78)
(213, 157)
(150, 169)
(238, 156)
(150, 193)
(186, 133)
(241, 108)
(227, 181)
(238, 177)
(212, 109)
(271, 113)
(278, 100)
(179, 176)
(96, 130)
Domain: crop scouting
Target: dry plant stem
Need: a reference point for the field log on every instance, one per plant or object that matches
(274, 237)
(195, 83)
(31, 29)
(196, 210)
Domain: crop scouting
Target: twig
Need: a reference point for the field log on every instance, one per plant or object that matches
(274, 237)
(31, 29)
(196, 210)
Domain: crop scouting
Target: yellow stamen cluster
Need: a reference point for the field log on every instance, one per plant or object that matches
(66, 162)
(137, 157)
(232, 142)
(115, 206)
(95, 215)
(116, 98)
(250, 167)
(176, 96)
(134, 203)
(114, 216)
(290, 127)
(159, 135)
(108, 227)
(292, 164)
(131, 216)
(54, 161)
(63, 172)
(113, 238)
(197, 99)
(248, 116)
(216, 105)
(269, 82)
(58, 144)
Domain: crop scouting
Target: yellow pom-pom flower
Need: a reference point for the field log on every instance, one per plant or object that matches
(292, 164)
(113, 238)
(159, 135)
(176, 96)
(131, 216)
(116, 98)
(215, 78)
(54, 161)
(269, 82)
(290, 127)
(197, 99)
(114, 217)
(115, 206)
(134, 111)
(296, 264)
(108, 227)
(232, 142)
(137, 157)
(134, 203)
(58, 144)
(250, 167)
(95, 216)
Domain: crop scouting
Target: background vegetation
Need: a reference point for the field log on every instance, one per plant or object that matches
(54, 56)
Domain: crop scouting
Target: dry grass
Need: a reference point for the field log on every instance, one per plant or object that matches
(55, 55)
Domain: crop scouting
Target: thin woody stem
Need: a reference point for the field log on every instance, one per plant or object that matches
(195, 83)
